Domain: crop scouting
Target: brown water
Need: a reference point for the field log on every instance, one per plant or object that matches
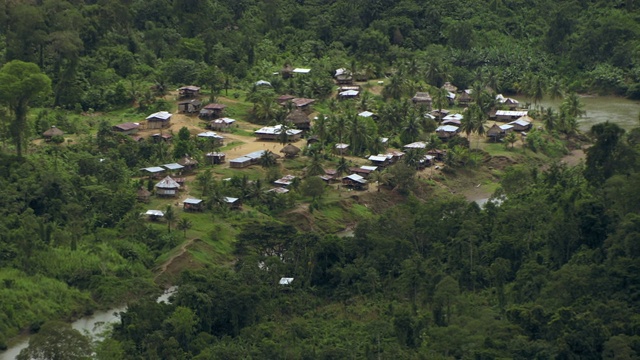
(599, 109)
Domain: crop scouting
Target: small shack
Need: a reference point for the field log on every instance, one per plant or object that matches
(167, 187)
(355, 181)
(348, 94)
(363, 171)
(422, 98)
(188, 163)
(154, 215)
(212, 111)
(497, 132)
(143, 194)
(290, 151)
(299, 119)
(159, 137)
(445, 132)
(154, 172)
(221, 124)
(285, 180)
(126, 128)
(233, 203)
(303, 103)
(508, 115)
(51, 132)
(380, 160)
(273, 133)
(215, 139)
(173, 167)
(192, 204)
(341, 149)
(189, 106)
(215, 158)
(283, 99)
(464, 98)
(159, 120)
(522, 124)
(189, 91)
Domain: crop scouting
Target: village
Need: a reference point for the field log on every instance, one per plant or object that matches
(237, 144)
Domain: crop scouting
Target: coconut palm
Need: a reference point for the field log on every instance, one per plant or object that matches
(479, 121)
(411, 130)
(395, 89)
(549, 118)
(440, 100)
(268, 159)
(468, 123)
(343, 166)
(170, 217)
(339, 126)
(573, 106)
(184, 225)
(555, 88)
(320, 126)
(511, 138)
(315, 166)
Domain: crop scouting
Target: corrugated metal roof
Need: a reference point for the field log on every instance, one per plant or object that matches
(356, 178)
(173, 166)
(153, 169)
(301, 70)
(447, 128)
(511, 113)
(154, 213)
(193, 201)
(160, 115)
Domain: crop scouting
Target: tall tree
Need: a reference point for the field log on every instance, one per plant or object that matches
(170, 217)
(20, 83)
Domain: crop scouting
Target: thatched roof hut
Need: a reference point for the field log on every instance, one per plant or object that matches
(299, 119)
(143, 194)
(188, 162)
(290, 151)
(53, 131)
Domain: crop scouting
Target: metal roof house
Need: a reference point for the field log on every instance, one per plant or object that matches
(159, 120)
(167, 187)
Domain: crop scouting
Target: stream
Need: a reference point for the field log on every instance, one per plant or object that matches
(94, 325)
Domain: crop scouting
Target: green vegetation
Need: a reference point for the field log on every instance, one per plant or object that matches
(545, 271)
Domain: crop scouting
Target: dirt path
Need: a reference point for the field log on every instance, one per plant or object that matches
(183, 249)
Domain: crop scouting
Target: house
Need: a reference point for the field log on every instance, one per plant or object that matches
(422, 98)
(173, 167)
(416, 145)
(283, 99)
(193, 204)
(285, 281)
(313, 139)
(363, 171)
(188, 91)
(344, 79)
(189, 106)
(246, 160)
(53, 131)
(299, 119)
(159, 137)
(126, 128)
(143, 194)
(522, 124)
(154, 171)
(368, 114)
(447, 131)
(221, 124)
(465, 98)
(215, 158)
(136, 138)
(348, 94)
(285, 180)
(341, 149)
(159, 120)
(510, 115)
(498, 132)
(286, 71)
(452, 119)
(440, 114)
(233, 203)
(512, 104)
(355, 181)
(215, 139)
(426, 161)
(290, 151)
(154, 215)
(451, 97)
(384, 141)
(380, 160)
(329, 175)
(273, 133)
(167, 187)
(395, 156)
(450, 87)
(303, 103)
(212, 111)
(438, 154)
(188, 163)
(278, 190)
(262, 83)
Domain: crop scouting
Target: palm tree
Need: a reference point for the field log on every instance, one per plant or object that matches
(170, 217)
(440, 100)
(537, 89)
(395, 89)
(267, 159)
(283, 135)
(468, 125)
(555, 88)
(549, 118)
(343, 166)
(339, 126)
(315, 166)
(184, 225)
(320, 129)
(411, 131)
(573, 106)
(479, 120)
(511, 138)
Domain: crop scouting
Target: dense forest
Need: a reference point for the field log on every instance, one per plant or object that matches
(548, 269)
